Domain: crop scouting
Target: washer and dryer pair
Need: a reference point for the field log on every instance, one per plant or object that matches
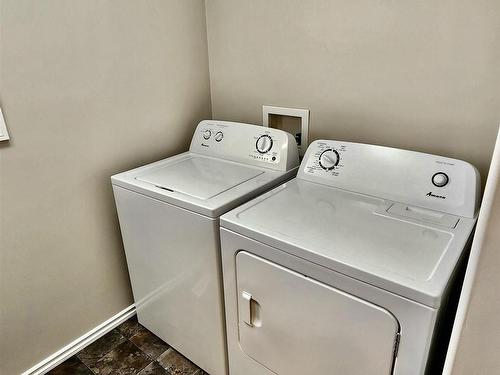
(346, 269)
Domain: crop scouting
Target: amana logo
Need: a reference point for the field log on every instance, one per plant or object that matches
(204, 145)
(430, 194)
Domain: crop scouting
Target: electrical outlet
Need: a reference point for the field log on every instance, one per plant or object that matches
(292, 120)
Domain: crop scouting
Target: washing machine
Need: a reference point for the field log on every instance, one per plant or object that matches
(348, 268)
(169, 219)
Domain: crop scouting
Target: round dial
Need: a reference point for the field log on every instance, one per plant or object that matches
(207, 134)
(329, 159)
(218, 136)
(264, 144)
(440, 179)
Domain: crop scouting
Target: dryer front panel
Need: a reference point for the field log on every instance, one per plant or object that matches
(292, 324)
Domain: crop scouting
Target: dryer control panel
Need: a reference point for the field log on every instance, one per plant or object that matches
(245, 143)
(425, 180)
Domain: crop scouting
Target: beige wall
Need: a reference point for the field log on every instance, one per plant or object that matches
(93, 87)
(423, 75)
(89, 88)
(479, 343)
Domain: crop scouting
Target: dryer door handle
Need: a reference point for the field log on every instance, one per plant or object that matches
(250, 310)
(246, 308)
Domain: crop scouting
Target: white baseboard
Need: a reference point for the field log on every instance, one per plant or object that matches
(75, 346)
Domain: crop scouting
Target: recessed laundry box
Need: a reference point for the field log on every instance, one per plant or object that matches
(169, 218)
(347, 269)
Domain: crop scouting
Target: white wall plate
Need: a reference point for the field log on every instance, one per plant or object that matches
(4, 134)
(303, 114)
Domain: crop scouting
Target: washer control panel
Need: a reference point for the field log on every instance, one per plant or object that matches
(429, 181)
(246, 143)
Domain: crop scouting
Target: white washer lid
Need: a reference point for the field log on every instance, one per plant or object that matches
(199, 177)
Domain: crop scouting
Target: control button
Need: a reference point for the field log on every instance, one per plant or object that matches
(207, 134)
(218, 136)
(264, 144)
(329, 159)
(440, 179)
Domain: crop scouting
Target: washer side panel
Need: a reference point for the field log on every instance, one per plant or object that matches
(173, 258)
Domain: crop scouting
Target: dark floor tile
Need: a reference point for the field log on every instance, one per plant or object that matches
(72, 366)
(129, 327)
(149, 343)
(176, 364)
(125, 359)
(154, 369)
(92, 353)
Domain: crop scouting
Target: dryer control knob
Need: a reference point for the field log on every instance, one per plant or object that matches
(218, 136)
(440, 179)
(264, 144)
(329, 159)
(207, 134)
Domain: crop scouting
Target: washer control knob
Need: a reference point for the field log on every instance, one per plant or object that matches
(207, 134)
(329, 159)
(440, 179)
(218, 136)
(264, 144)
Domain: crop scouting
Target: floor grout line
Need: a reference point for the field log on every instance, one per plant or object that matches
(92, 372)
(103, 355)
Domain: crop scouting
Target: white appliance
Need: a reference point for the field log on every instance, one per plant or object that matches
(348, 268)
(169, 217)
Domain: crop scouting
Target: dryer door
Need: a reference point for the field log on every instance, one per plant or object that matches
(292, 324)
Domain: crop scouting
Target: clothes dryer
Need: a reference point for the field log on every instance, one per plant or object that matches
(348, 268)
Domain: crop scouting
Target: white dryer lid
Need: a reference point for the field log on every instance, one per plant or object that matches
(357, 235)
(199, 177)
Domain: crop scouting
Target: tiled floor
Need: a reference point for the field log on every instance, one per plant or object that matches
(128, 349)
